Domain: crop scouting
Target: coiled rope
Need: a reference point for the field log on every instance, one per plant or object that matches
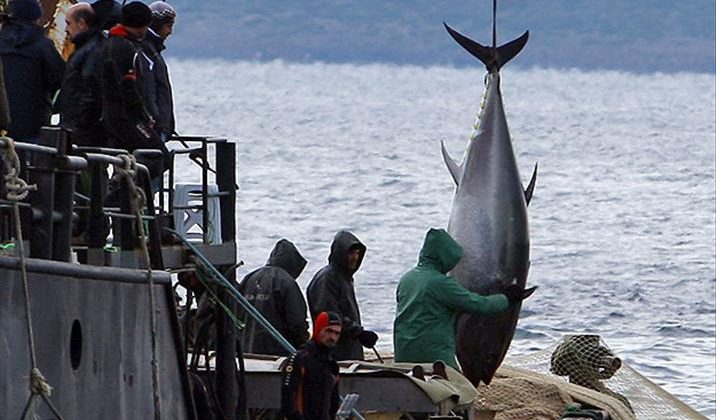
(17, 190)
(128, 171)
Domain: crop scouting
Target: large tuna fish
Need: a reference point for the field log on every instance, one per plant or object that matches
(489, 220)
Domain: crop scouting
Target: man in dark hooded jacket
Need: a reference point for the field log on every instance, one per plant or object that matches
(332, 290)
(273, 291)
(429, 301)
(32, 70)
(80, 100)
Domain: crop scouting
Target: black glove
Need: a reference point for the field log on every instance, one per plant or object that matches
(367, 338)
(515, 293)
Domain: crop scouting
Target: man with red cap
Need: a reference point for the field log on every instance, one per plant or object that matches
(309, 390)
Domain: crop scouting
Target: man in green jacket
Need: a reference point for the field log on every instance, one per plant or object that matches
(429, 301)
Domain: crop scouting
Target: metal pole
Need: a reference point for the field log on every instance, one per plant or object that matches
(226, 383)
(205, 191)
(42, 174)
(97, 222)
(226, 181)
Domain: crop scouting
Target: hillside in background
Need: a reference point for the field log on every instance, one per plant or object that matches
(641, 36)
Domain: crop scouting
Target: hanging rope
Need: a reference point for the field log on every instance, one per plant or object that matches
(128, 171)
(17, 190)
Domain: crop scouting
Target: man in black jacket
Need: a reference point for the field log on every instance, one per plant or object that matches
(332, 290)
(127, 122)
(80, 100)
(273, 291)
(156, 86)
(309, 390)
(32, 70)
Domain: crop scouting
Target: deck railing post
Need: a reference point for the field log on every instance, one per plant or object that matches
(226, 336)
(67, 169)
(226, 181)
(41, 173)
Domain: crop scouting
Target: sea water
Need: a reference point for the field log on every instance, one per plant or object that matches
(622, 222)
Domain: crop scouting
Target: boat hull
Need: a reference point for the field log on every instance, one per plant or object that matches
(92, 338)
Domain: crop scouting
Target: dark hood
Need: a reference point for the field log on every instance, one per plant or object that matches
(342, 243)
(285, 255)
(15, 34)
(440, 251)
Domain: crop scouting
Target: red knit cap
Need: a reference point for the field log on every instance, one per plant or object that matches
(323, 320)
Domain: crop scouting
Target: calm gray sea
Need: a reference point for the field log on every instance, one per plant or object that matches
(623, 221)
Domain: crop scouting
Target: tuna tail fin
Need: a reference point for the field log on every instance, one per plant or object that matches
(454, 169)
(531, 186)
(493, 58)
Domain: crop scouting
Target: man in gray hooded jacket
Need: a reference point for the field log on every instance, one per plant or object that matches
(273, 291)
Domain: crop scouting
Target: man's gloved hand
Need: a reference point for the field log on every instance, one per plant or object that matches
(515, 293)
(367, 338)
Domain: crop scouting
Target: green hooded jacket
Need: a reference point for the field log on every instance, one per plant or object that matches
(429, 301)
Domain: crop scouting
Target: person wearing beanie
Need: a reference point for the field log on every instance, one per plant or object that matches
(107, 12)
(25, 10)
(273, 291)
(331, 289)
(309, 389)
(127, 122)
(32, 69)
(157, 85)
(163, 18)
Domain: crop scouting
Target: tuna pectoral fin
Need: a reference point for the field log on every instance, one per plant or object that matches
(487, 55)
(453, 167)
(531, 186)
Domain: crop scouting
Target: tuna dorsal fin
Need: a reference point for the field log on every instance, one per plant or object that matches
(531, 186)
(454, 169)
(493, 58)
